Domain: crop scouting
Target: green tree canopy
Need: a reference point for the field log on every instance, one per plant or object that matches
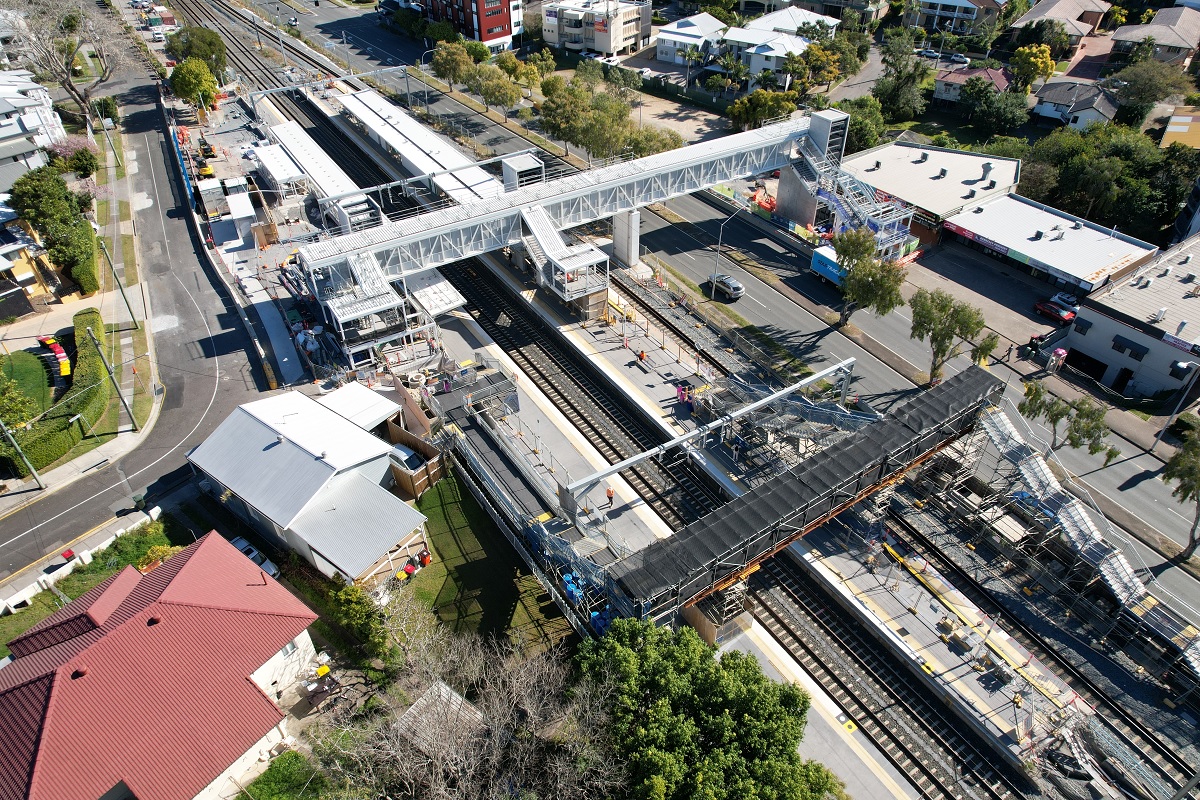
(646, 140)
(1049, 32)
(451, 62)
(193, 81)
(691, 724)
(1084, 420)
(478, 51)
(754, 109)
(202, 43)
(940, 319)
(1001, 112)
(899, 89)
(866, 122)
(1150, 81)
(975, 93)
(1183, 469)
(443, 31)
(866, 282)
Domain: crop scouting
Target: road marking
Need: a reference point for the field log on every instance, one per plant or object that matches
(211, 400)
(755, 299)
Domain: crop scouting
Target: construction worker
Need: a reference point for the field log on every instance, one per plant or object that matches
(609, 493)
(642, 356)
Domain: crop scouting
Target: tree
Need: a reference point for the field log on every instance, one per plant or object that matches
(1115, 17)
(976, 92)
(1001, 112)
(202, 43)
(1142, 51)
(754, 109)
(1148, 16)
(499, 90)
(944, 321)
(691, 724)
(822, 64)
(717, 84)
(1183, 469)
(84, 162)
(899, 89)
(411, 22)
(797, 71)
(1029, 63)
(507, 61)
(623, 83)
(478, 51)
(194, 82)
(866, 122)
(1149, 82)
(1040, 404)
(589, 73)
(16, 407)
(646, 140)
(765, 80)
(451, 62)
(55, 33)
(40, 196)
(544, 61)
(693, 55)
(443, 31)
(859, 268)
(1050, 32)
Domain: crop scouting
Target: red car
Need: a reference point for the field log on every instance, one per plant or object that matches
(1060, 314)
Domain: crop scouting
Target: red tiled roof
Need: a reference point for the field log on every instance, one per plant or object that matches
(997, 77)
(145, 680)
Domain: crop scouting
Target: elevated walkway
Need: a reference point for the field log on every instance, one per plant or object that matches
(570, 271)
(718, 549)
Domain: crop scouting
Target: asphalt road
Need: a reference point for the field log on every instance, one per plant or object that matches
(202, 354)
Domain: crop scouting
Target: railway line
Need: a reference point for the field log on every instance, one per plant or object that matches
(1161, 756)
(618, 431)
(918, 735)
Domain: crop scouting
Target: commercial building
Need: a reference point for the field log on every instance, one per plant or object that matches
(1075, 104)
(161, 686)
(493, 22)
(310, 480)
(1175, 32)
(1187, 224)
(1139, 334)
(935, 182)
(611, 27)
(1066, 251)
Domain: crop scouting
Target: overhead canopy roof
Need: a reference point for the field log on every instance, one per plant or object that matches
(434, 293)
(277, 166)
(327, 177)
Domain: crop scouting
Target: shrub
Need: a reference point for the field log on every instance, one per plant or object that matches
(106, 107)
(289, 776)
(50, 438)
(1186, 424)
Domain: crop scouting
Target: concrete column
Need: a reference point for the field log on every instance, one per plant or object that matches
(627, 237)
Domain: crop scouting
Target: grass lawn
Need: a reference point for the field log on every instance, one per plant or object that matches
(129, 257)
(29, 371)
(934, 122)
(476, 581)
(40, 606)
(123, 211)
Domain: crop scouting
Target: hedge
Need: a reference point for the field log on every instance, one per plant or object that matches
(54, 434)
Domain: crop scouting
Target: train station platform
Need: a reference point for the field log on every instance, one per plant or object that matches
(991, 682)
(541, 449)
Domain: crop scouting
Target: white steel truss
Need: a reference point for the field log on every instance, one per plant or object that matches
(415, 244)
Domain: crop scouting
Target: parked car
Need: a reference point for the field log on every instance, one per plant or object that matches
(959, 58)
(589, 56)
(251, 552)
(1066, 300)
(927, 53)
(293, 22)
(1052, 310)
(727, 285)
(612, 61)
(158, 36)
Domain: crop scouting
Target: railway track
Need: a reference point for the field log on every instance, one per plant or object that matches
(617, 431)
(919, 736)
(1161, 756)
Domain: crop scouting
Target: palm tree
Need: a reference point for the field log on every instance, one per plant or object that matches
(735, 70)
(796, 68)
(766, 80)
(691, 56)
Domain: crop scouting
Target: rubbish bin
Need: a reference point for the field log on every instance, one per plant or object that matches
(139, 501)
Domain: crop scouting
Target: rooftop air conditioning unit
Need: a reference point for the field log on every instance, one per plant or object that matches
(1038, 235)
(924, 157)
(978, 209)
(990, 185)
(1158, 317)
(1191, 276)
(1187, 259)
(1167, 271)
(878, 165)
(1146, 283)
(970, 194)
(1077, 225)
(942, 172)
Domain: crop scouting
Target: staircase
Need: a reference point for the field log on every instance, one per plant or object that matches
(854, 202)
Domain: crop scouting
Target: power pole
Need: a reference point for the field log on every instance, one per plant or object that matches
(113, 378)
(8, 435)
(137, 326)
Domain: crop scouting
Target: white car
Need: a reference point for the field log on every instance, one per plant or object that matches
(612, 61)
(250, 552)
(727, 285)
(1067, 300)
(959, 58)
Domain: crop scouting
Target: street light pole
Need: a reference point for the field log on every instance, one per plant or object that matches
(104, 249)
(720, 238)
(113, 378)
(424, 81)
(1187, 389)
(8, 435)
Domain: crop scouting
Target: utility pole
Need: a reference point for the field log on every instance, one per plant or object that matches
(137, 326)
(8, 435)
(113, 378)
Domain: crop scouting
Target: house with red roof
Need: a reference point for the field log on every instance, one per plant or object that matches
(947, 85)
(157, 687)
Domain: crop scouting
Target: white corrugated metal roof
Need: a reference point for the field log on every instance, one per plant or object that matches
(434, 293)
(354, 522)
(240, 206)
(362, 406)
(322, 170)
(278, 453)
(277, 166)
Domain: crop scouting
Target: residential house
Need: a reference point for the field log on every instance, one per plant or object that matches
(310, 480)
(763, 49)
(1175, 31)
(702, 31)
(962, 17)
(1183, 126)
(949, 82)
(161, 686)
(1075, 104)
(1080, 18)
(791, 20)
(22, 258)
(1141, 336)
(28, 123)
(868, 10)
(614, 28)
